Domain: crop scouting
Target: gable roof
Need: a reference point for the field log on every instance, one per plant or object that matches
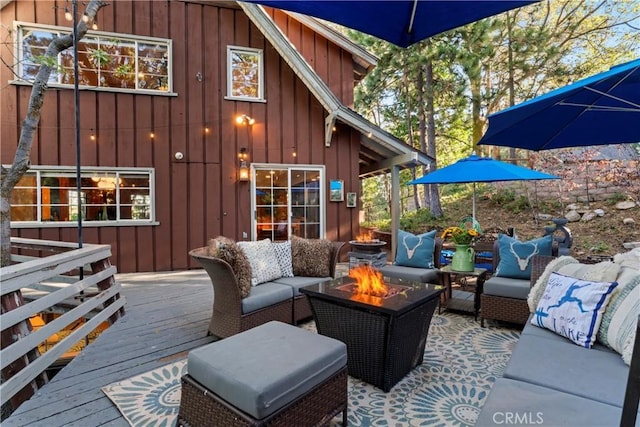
(380, 151)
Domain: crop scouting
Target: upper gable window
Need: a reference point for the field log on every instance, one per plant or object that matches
(105, 60)
(245, 74)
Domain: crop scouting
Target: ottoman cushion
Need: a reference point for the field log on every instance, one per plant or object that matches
(263, 369)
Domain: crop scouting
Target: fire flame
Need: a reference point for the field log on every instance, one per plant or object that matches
(369, 281)
(366, 236)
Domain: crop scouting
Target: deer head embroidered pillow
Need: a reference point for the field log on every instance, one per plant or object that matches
(415, 251)
(515, 256)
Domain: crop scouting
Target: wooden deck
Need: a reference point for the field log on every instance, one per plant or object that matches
(167, 314)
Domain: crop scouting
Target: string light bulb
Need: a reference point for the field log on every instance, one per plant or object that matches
(85, 17)
(152, 135)
(207, 129)
(92, 136)
(67, 14)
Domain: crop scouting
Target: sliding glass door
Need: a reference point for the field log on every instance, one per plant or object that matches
(288, 200)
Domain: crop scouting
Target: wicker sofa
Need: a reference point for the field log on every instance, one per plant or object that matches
(277, 300)
(549, 380)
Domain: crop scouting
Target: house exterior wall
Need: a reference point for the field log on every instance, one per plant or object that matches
(198, 197)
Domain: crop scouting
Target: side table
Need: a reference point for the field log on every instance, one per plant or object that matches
(446, 280)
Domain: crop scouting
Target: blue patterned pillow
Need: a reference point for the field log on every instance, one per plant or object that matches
(415, 251)
(573, 307)
(515, 256)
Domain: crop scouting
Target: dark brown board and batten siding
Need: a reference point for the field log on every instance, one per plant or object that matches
(198, 197)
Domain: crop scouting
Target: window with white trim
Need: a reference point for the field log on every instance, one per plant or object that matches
(105, 60)
(50, 195)
(288, 201)
(245, 74)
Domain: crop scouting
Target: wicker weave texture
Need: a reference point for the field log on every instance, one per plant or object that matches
(512, 310)
(201, 407)
(381, 349)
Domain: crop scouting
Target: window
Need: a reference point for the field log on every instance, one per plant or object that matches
(105, 60)
(244, 74)
(49, 195)
(288, 201)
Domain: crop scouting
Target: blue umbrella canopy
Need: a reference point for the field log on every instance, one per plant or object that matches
(601, 109)
(480, 169)
(401, 22)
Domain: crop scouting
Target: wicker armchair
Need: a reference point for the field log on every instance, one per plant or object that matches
(507, 309)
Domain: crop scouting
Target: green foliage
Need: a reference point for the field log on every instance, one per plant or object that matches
(617, 197)
(99, 56)
(417, 221)
(50, 61)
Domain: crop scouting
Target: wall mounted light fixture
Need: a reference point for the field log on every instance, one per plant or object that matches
(243, 170)
(244, 120)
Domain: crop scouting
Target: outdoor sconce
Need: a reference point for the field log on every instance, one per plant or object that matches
(243, 170)
(244, 120)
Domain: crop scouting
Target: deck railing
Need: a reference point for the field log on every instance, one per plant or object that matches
(50, 277)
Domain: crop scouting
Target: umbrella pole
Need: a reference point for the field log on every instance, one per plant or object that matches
(473, 203)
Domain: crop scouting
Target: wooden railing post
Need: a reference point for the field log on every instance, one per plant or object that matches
(107, 283)
(10, 302)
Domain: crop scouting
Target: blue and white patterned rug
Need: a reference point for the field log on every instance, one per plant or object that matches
(461, 363)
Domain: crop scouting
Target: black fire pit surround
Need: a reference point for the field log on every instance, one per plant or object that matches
(385, 337)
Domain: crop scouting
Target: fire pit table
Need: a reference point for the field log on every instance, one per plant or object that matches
(385, 336)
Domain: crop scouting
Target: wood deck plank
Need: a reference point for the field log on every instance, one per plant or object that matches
(167, 314)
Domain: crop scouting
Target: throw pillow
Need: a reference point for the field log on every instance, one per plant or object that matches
(538, 288)
(515, 256)
(620, 318)
(283, 253)
(311, 257)
(228, 251)
(627, 351)
(262, 258)
(573, 308)
(415, 251)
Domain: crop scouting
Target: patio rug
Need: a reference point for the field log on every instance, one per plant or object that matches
(461, 363)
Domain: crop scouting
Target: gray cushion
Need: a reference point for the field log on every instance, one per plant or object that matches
(597, 373)
(507, 287)
(298, 282)
(422, 275)
(264, 295)
(534, 405)
(266, 367)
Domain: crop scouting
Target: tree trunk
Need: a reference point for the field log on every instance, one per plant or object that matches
(434, 194)
(9, 177)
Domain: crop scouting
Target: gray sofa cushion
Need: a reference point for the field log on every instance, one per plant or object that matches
(507, 287)
(535, 405)
(416, 274)
(264, 295)
(298, 282)
(555, 362)
(266, 367)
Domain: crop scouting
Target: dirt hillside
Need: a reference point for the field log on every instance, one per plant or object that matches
(601, 236)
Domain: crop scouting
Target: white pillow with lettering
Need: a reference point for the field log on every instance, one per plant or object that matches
(573, 307)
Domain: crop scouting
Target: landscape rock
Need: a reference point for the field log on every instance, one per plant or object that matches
(545, 217)
(573, 207)
(588, 216)
(627, 204)
(628, 221)
(599, 212)
(572, 216)
(631, 245)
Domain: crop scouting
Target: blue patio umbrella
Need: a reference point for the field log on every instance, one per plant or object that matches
(480, 169)
(601, 109)
(401, 22)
